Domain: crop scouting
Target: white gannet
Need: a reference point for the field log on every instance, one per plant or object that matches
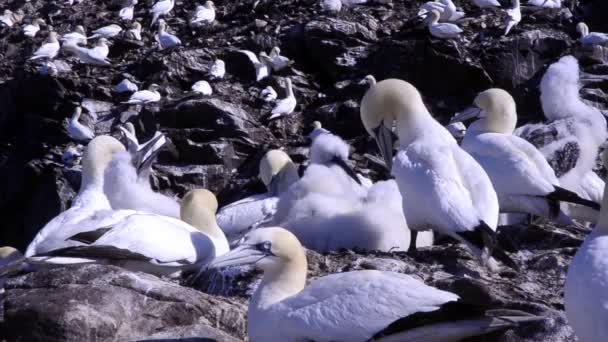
(512, 16)
(286, 105)
(134, 32)
(30, 30)
(8, 256)
(49, 49)
(268, 94)
(126, 13)
(106, 32)
(523, 179)
(94, 56)
(593, 38)
(278, 173)
(78, 131)
(165, 39)
(161, 8)
(261, 69)
(218, 69)
(202, 87)
(126, 86)
(278, 62)
(78, 37)
(142, 97)
(443, 187)
(487, 3)
(442, 30)
(9, 18)
(446, 8)
(331, 5)
(586, 289)
(545, 3)
(203, 15)
(101, 48)
(572, 126)
(339, 307)
(457, 130)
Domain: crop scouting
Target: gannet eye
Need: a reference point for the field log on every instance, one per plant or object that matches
(264, 246)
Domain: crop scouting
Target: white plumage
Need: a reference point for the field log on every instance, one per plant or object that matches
(106, 32)
(545, 3)
(486, 3)
(165, 39)
(202, 87)
(95, 56)
(218, 69)
(77, 37)
(512, 16)
(161, 8)
(331, 5)
(30, 30)
(276, 61)
(126, 13)
(442, 30)
(126, 86)
(145, 96)
(203, 15)
(78, 131)
(49, 49)
(261, 69)
(593, 38)
(134, 32)
(284, 106)
(268, 94)
(446, 8)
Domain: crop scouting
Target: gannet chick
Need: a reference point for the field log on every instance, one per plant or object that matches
(165, 39)
(336, 307)
(203, 15)
(126, 86)
(72, 155)
(143, 97)
(586, 290)
(278, 62)
(591, 39)
(278, 172)
(487, 3)
(78, 37)
(49, 49)
(512, 16)
(126, 13)
(284, 106)
(218, 69)
(523, 179)
(161, 8)
(134, 32)
(331, 5)
(78, 131)
(329, 149)
(442, 186)
(261, 69)
(268, 94)
(545, 3)
(106, 32)
(30, 30)
(442, 30)
(94, 56)
(202, 87)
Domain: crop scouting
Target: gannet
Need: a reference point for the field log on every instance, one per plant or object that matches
(218, 69)
(203, 15)
(134, 32)
(284, 106)
(586, 290)
(95, 56)
(317, 130)
(106, 32)
(126, 13)
(593, 38)
(545, 3)
(126, 86)
(442, 30)
(487, 3)
(278, 62)
(165, 39)
(30, 30)
(102, 48)
(278, 173)
(350, 306)
(331, 5)
(78, 131)
(202, 87)
(443, 187)
(153, 146)
(261, 69)
(512, 16)
(457, 130)
(78, 37)
(161, 8)
(8, 256)
(9, 18)
(268, 94)
(523, 179)
(329, 149)
(446, 8)
(49, 49)
(142, 97)
(572, 125)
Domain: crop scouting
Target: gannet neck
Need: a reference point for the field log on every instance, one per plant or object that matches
(95, 159)
(198, 209)
(77, 113)
(289, 87)
(583, 29)
(277, 171)
(161, 26)
(435, 15)
(499, 112)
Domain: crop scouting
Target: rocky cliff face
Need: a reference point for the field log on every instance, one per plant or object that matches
(219, 139)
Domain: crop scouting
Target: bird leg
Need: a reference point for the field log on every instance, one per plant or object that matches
(413, 237)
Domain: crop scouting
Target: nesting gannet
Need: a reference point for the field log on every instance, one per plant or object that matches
(512, 16)
(331, 5)
(572, 125)
(161, 8)
(142, 97)
(202, 87)
(278, 173)
(126, 13)
(442, 30)
(30, 30)
(350, 306)
(329, 149)
(150, 149)
(49, 49)
(487, 3)
(545, 3)
(165, 39)
(278, 62)
(78, 131)
(203, 15)
(284, 106)
(586, 290)
(261, 69)
(446, 8)
(443, 187)
(78, 37)
(523, 179)
(593, 38)
(106, 32)
(126, 86)
(95, 56)
(218, 69)
(268, 94)
(134, 32)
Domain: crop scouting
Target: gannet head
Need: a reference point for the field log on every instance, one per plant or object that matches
(582, 28)
(275, 51)
(369, 80)
(495, 111)
(434, 17)
(198, 209)
(80, 29)
(154, 87)
(316, 124)
(162, 25)
(136, 26)
(39, 22)
(129, 127)
(277, 171)
(97, 155)
(8, 253)
(209, 4)
(219, 62)
(385, 102)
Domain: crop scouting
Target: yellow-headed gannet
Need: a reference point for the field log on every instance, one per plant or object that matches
(9, 256)
(77, 37)
(591, 38)
(78, 131)
(446, 8)
(286, 105)
(94, 56)
(203, 15)
(49, 49)
(161, 8)
(442, 30)
(512, 16)
(143, 97)
(276, 61)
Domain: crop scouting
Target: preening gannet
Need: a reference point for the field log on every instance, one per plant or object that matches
(143, 97)
(276, 61)
(146, 151)
(161, 8)
(443, 187)
(30, 30)
(446, 8)
(512, 16)
(338, 307)
(165, 39)
(523, 179)
(203, 15)
(591, 38)
(49, 49)
(329, 149)
(78, 131)
(442, 30)
(284, 106)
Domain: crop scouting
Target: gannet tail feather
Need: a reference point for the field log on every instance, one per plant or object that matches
(561, 194)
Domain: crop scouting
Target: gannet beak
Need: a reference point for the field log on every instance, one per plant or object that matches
(243, 255)
(468, 113)
(384, 139)
(344, 166)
